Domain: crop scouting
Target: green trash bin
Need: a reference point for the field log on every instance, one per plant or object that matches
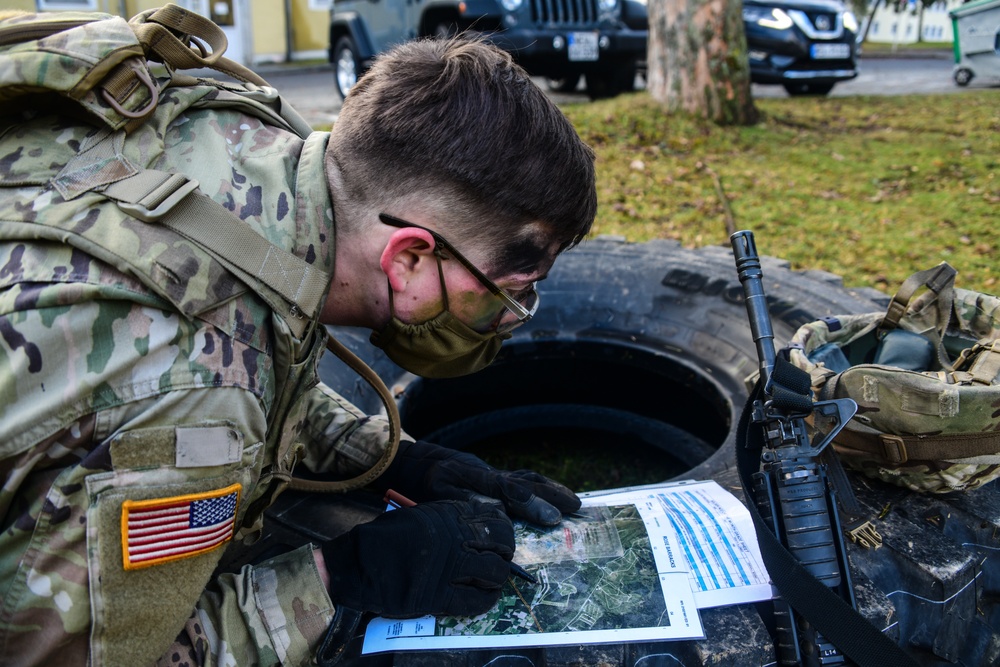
(976, 27)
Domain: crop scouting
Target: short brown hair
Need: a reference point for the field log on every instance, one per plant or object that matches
(459, 121)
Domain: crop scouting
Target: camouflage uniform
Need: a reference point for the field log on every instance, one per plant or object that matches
(121, 402)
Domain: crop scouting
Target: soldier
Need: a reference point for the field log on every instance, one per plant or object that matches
(155, 403)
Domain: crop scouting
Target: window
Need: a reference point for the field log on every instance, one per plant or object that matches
(50, 5)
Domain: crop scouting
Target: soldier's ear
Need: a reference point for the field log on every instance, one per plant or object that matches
(407, 251)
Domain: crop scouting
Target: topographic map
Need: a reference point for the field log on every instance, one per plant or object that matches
(631, 565)
(595, 572)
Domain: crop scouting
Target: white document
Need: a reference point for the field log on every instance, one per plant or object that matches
(714, 535)
(634, 565)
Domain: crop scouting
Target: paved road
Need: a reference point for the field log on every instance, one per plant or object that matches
(311, 90)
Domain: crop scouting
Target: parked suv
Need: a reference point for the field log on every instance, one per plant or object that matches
(602, 40)
(807, 46)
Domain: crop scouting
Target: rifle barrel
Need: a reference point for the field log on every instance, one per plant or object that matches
(750, 274)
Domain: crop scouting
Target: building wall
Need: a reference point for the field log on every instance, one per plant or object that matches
(268, 26)
(20, 5)
(310, 28)
(908, 26)
(261, 26)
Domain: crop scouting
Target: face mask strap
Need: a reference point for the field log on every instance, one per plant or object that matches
(444, 288)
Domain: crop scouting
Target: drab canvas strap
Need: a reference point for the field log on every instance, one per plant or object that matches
(898, 449)
(158, 29)
(290, 285)
(985, 365)
(940, 280)
(395, 428)
(838, 621)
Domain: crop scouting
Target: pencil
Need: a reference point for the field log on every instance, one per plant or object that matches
(519, 571)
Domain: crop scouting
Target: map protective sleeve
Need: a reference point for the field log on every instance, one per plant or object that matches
(631, 565)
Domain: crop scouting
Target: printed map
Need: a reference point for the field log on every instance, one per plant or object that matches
(632, 565)
(595, 571)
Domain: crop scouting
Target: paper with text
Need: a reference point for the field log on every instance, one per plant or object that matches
(632, 565)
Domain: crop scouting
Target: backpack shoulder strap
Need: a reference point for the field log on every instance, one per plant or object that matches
(940, 281)
(292, 287)
(101, 62)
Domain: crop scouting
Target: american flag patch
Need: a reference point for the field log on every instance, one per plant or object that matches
(165, 529)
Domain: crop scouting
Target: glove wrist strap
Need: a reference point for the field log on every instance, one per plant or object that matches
(338, 636)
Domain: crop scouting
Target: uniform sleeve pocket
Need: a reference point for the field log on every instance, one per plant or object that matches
(156, 530)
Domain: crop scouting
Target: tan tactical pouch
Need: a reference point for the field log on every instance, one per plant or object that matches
(926, 378)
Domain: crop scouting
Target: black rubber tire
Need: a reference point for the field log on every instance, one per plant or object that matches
(963, 76)
(663, 325)
(609, 83)
(444, 30)
(800, 88)
(347, 66)
(565, 84)
(934, 586)
(672, 441)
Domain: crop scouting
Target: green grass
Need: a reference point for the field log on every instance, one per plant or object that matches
(871, 188)
(888, 47)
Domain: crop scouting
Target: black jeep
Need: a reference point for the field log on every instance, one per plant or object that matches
(602, 40)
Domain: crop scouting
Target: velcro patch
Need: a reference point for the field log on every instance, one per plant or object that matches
(161, 530)
(943, 403)
(207, 446)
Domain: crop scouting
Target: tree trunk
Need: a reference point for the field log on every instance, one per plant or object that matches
(868, 24)
(698, 59)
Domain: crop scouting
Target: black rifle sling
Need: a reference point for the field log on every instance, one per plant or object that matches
(837, 620)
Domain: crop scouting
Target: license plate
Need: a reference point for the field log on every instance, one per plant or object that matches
(830, 51)
(582, 46)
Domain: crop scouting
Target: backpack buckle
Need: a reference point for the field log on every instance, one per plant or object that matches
(893, 448)
(156, 203)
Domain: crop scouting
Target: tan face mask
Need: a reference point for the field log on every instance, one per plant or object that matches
(442, 347)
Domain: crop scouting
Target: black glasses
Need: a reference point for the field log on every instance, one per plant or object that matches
(522, 309)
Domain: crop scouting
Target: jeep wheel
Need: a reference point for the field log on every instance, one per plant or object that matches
(963, 76)
(444, 30)
(346, 65)
(565, 84)
(609, 83)
(798, 88)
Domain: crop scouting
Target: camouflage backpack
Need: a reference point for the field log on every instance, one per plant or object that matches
(114, 78)
(926, 377)
(104, 65)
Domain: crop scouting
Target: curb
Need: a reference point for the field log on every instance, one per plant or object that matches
(270, 69)
(291, 68)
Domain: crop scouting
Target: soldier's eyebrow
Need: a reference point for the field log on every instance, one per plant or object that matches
(522, 256)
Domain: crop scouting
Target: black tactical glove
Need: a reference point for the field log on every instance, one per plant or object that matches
(440, 558)
(424, 471)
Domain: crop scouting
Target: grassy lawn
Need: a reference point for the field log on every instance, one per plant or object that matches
(871, 188)
(888, 47)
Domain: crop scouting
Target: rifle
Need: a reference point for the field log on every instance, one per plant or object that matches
(790, 489)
